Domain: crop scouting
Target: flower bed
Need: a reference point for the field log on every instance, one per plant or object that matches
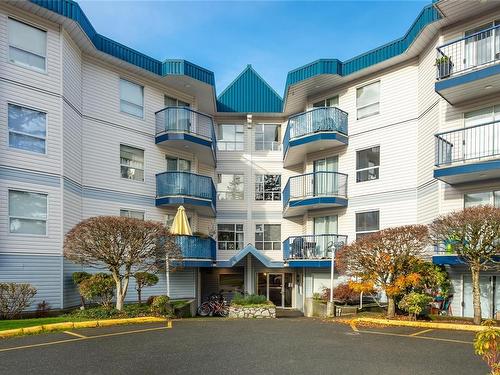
(262, 311)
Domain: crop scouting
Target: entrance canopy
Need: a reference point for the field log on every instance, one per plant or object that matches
(249, 249)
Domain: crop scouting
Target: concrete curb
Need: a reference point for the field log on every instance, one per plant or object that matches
(82, 324)
(429, 325)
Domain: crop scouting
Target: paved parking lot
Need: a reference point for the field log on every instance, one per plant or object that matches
(216, 346)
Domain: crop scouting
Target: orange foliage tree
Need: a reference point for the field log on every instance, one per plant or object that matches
(385, 261)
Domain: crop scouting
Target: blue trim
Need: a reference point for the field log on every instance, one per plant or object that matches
(342, 202)
(71, 9)
(447, 260)
(174, 201)
(463, 79)
(310, 263)
(428, 15)
(323, 136)
(192, 263)
(29, 177)
(467, 168)
(182, 137)
(248, 93)
(249, 249)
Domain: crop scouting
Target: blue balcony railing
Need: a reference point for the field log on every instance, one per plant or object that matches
(324, 119)
(185, 120)
(318, 246)
(316, 184)
(474, 51)
(477, 142)
(194, 247)
(185, 184)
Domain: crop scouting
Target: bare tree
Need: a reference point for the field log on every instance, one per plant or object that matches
(123, 245)
(385, 259)
(473, 234)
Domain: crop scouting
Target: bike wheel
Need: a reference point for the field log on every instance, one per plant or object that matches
(204, 309)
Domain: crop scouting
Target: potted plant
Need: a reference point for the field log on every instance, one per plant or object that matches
(444, 66)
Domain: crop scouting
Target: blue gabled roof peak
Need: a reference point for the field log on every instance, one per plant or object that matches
(249, 93)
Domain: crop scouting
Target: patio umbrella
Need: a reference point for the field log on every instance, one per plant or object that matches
(180, 225)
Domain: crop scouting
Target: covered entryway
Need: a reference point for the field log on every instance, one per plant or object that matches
(277, 287)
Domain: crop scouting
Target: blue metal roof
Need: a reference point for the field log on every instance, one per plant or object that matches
(427, 16)
(71, 10)
(249, 249)
(248, 93)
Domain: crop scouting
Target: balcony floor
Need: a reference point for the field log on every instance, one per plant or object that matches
(204, 207)
(300, 206)
(469, 172)
(188, 142)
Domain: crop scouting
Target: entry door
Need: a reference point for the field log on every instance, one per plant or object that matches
(275, 288)
(326, 183)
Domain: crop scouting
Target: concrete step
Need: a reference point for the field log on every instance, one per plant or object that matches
(288, 313)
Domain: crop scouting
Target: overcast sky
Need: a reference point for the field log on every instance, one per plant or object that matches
(274, 36)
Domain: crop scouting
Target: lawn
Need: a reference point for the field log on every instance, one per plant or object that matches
(22, 323)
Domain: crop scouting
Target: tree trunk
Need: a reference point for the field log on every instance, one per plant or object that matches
(119, 293)
(82, 300)
(139, 295)
(476, 294)
(391, 307)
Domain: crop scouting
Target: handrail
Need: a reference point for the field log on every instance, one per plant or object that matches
(185, 184)
(185, 119)
(194, 247)
(319, 246)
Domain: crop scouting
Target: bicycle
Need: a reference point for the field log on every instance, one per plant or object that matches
(215, 305)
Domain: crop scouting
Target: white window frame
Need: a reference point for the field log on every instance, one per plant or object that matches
(143, 163)
(45, 152)
(370, 104)
(368, 168)
(234, 142)
(130, 210)
(325, 101)
(167, 157)
(235, 242)
(492, 196)
(275, 145)
(262, 183)
(219, 175)
(120, 97)
(33, 68)
(177, 100)
(273, 242)
(28, 218)
(365, 231)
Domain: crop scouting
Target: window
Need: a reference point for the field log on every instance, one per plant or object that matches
(368, 164)
(132, 163)
(27, 212)
(27, 129)
(173, 102)
(231, 137)
(330, 102)
(267, 137)
(268, 236)
(178, 165)
(132, 214)
(27, 45)
(267, 187)
(230, 187)
(483, 198)
(230, 237)
(367, 100)
(131, 98)
(366, 223)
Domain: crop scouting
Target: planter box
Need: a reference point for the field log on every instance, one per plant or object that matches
(252, 312)
(444, 69)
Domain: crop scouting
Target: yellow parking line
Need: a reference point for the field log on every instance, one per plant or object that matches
(75, 334)
(420, 332)
(417, 337)
(81, 339)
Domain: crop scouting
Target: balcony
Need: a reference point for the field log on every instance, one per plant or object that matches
(469, 68)
(187, 130)
(314, 130)
(444, 255)
(314, 191)
(193, 191)
(196, 251)
(468, 154)
(311, 250)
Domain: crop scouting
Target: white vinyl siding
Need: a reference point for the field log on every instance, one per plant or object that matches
(367, 100)
(132, 214)
(131, 163)
(27, 129)
(131, 98)
(27, 45)
(27, 213)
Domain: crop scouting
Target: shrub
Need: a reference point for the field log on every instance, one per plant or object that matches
(487, 345)
(14, 298)
(99, 312)
(249, 299)
(78, 277)
(144, 279)
(342, 293)
(99, 288)
(42, 309)
(160, 306)
(414, 303)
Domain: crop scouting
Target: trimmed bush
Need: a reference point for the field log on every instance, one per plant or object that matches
(14, 298)
(249, 299)
(414, 303)
(99, 288)
(142, 280)
(160, 306)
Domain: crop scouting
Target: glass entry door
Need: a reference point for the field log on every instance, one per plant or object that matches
(277, 287)
(326, 183)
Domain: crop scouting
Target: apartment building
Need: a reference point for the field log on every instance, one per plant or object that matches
(272, 185)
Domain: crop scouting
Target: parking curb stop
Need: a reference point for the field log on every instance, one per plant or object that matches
(433, 325)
